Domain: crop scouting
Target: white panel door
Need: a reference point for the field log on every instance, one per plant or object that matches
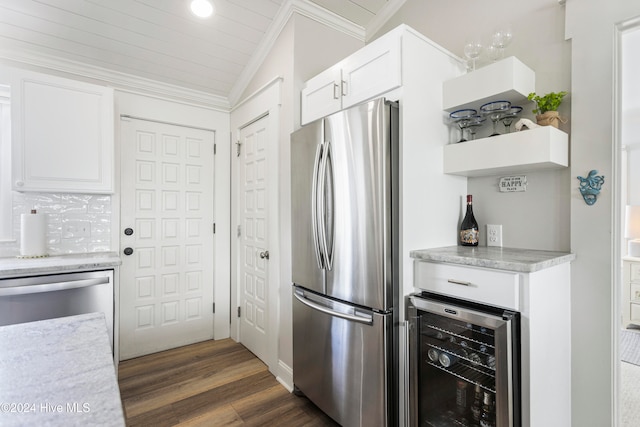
(166, 282)
(253, 258)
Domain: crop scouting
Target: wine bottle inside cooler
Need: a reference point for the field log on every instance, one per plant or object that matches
(469, 228)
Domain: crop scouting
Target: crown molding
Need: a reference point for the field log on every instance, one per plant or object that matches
(383, 16)
(115, 79)
(288, 8)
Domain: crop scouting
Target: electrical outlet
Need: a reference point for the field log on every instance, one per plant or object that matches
(75, 229)
(494, 235)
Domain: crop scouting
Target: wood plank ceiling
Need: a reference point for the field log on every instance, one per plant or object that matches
(158, 40)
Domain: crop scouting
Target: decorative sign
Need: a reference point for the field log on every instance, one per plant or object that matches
(512, 184)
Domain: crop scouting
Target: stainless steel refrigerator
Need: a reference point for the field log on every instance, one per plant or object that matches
(345, 263)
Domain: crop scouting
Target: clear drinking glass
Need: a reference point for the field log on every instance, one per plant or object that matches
(501, 39)
(462, 118)
(474, 122)
(509, 116)
(472, 51)
(495, 111)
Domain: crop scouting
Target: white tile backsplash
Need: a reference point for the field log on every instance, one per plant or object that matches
(76, 223)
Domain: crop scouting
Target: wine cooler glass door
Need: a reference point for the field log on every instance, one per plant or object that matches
(463, 365)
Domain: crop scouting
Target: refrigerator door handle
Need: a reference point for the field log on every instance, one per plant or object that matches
(322, 228)
(361, 318)
(326, 231)
(314, 206)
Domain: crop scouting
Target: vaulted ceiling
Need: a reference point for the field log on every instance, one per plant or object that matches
(161, 42)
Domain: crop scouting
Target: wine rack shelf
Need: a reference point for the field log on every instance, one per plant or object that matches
(529, 150)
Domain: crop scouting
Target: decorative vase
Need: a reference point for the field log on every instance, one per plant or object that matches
(548, 118)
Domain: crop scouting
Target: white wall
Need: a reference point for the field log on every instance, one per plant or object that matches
(591, 26)
(538, 218)
(630, 110)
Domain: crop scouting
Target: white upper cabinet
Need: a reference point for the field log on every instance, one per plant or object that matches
(369, 72)
(62, 135)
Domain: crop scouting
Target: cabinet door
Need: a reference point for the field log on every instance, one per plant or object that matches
(62, 135)
(321, 95)
(371, 71)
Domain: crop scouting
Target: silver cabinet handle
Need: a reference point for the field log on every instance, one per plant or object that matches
(459, 282)
(336, 91)
(264, 254)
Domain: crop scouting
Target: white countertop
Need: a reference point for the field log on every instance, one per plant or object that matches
(512, 259)
(58, 372)
(19, 267)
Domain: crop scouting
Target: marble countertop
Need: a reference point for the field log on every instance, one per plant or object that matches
(520, 260)
(18, 267)
(58, 372)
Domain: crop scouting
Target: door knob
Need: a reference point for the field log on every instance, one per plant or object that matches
(264, 254)
(128, 251)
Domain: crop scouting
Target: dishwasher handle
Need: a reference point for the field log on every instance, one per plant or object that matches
(367, 320)
(52, 287)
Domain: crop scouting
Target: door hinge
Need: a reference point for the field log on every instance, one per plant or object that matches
(238, 311)
(215, 149)
(213, 308)
(238, 145)
(214, 228)
(239, 231)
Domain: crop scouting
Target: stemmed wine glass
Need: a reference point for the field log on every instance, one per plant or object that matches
(495, 111)
(475, 122)
(472, 50)
(501, 39)
(509, 116)
(462, 118)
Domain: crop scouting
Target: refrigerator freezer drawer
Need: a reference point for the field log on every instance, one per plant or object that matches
(342, 359)
(496, 288)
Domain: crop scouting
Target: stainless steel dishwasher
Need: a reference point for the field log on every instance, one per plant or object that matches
(27, 299)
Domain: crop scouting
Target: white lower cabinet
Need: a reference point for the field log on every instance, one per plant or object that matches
(62, 135)
(543, 300)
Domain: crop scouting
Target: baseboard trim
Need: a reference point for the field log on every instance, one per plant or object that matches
(285, 375)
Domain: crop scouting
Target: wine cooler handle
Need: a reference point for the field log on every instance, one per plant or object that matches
(459, 282)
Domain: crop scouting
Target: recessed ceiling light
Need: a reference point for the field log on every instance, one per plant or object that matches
(202, 8)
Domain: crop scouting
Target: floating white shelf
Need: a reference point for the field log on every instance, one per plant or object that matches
(540, 148)
(505, 80)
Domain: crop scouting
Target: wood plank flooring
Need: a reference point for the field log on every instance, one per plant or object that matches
(212, 383)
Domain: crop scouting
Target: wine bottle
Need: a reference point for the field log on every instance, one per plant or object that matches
(469, 227)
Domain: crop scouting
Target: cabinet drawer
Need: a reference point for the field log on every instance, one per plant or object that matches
(496, 288)
(635, 271)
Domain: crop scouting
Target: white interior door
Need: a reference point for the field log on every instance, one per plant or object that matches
(253, 256)
(166, 279)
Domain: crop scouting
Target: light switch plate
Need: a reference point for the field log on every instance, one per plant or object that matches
(494, 235)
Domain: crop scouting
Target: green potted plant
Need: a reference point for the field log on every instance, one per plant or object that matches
(547, 107)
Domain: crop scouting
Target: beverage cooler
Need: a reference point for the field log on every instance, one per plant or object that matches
(463, 363)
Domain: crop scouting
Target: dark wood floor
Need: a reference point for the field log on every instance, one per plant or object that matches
(213, 383)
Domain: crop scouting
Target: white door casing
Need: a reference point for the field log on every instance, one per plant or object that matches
(166, 283)
(253, 234)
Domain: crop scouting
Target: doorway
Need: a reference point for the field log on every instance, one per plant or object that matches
(167, 209)
(628, 282)
(256, 288)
